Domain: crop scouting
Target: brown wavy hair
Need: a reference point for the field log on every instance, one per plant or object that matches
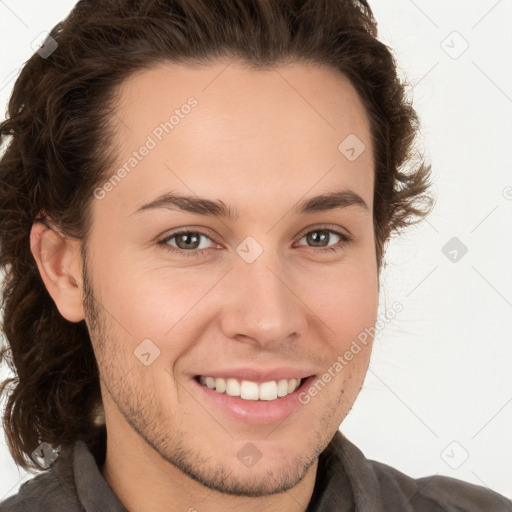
(58, 141)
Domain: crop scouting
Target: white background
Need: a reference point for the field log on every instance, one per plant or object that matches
(439, 387)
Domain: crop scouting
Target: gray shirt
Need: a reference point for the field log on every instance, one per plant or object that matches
(346, 481)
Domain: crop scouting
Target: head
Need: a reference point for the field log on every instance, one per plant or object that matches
(258, 107)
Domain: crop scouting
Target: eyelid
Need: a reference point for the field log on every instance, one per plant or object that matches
(188, 229)
(327, 227)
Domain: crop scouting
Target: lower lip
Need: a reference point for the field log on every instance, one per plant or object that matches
(256, 412)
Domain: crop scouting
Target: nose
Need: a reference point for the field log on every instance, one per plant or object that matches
(261, 305)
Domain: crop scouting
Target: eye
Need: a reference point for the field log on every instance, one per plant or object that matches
(321, 235)
(188, 243)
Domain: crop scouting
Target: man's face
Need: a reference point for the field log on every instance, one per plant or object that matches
(261, 295)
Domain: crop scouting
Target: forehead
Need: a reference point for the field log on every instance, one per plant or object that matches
(253, 130)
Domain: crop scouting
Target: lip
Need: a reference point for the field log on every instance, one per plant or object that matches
(259, 376)
(255, 412)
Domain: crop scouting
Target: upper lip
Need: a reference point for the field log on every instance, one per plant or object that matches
(259, 374)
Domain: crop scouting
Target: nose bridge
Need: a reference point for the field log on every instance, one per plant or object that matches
(262, 306)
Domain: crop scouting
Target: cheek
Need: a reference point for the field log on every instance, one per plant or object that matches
(146, 300)
(347, 302)
(348, 307)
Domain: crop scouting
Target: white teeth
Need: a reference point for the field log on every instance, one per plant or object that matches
(232, 387)
(249, 390)
(282, 387)
(220, 385)
(293, 384)
(268, 390)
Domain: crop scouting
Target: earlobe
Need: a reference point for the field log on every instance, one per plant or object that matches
(57, 258)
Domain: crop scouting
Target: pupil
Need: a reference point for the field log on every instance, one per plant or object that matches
(188, 237)
(315, 238)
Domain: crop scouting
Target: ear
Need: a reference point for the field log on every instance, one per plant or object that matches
(59, 263)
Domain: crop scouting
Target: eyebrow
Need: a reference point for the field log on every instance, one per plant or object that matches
(203, 206)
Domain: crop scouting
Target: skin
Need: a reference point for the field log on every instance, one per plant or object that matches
(260, 141)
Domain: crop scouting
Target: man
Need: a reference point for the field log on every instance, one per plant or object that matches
(195, 203)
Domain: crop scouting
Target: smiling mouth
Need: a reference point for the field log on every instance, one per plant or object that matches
(250, 390)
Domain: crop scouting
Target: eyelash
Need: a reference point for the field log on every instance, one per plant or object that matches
(194, 253)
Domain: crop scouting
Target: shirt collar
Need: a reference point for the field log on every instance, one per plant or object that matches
(363, 481)
(93, 490)
(345, 479)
